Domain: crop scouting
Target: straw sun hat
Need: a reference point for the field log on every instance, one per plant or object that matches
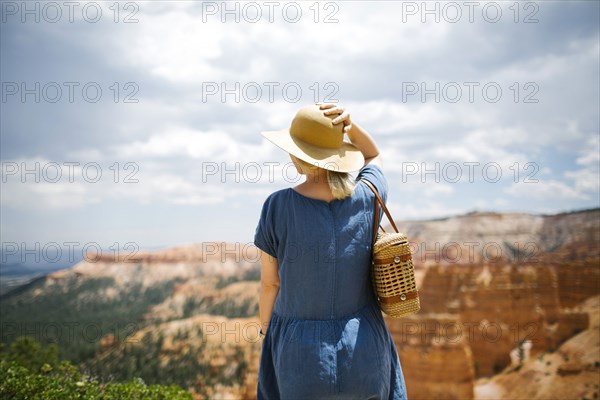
(313, 138)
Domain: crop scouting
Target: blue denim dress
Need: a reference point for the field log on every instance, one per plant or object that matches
(326, 338)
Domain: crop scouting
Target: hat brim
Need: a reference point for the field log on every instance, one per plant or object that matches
(347, 158)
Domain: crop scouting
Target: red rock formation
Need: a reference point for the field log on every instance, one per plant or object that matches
(496, 306)
(570, 372)
(435, 356)
(201, 252)
(577, 281)
(480, 237)
(476, 305)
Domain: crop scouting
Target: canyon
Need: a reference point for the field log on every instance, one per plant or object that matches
(489, 283)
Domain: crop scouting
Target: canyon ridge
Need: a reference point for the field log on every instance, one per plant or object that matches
(509, 309)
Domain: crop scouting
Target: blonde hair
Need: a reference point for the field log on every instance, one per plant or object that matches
(340, 183)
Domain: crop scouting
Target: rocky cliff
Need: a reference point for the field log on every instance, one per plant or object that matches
(472, 317)
(569, 372)
(488, 282)
(481, 237)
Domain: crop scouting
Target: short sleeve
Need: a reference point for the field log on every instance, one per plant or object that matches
(374, 174)
(264, 236)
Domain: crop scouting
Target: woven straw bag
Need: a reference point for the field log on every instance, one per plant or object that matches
(392, 271)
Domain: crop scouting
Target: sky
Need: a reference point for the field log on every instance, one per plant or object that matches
(138, 123)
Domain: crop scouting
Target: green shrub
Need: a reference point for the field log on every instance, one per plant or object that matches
(45, 378)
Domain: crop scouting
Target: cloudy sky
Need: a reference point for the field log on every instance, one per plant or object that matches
(140, 122)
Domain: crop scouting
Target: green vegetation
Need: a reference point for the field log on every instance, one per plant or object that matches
(53, 331)
(76, 315)
(230, 308)
(143, 360)
(148, 360)
(28, 371)
(248, 275)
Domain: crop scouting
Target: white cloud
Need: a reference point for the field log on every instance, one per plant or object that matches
(38, 183)
(591, 152)
(47, 195)
(78, 186)
(173, 189)
(172, 131)
(544, 190)
(394, 117)
(425, 209)
(179, 47)
(174, 45)
(182, 142)
(587, 179)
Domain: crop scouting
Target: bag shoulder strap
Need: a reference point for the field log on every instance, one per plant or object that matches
(379, 203)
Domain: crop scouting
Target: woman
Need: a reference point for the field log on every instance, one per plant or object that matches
(324, 336)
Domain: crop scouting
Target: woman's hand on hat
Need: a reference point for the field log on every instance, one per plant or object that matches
(343, 115)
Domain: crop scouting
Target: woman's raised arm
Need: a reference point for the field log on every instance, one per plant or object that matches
(358, 136)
